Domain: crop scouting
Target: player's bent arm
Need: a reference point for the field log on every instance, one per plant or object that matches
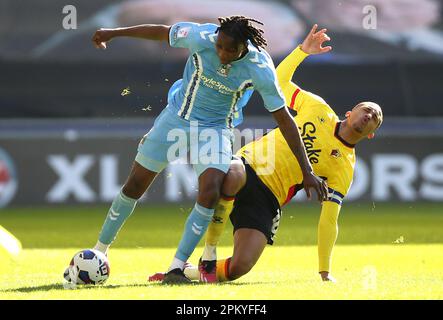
(295, 96)
(285, 71)
(144, 31)
(313, 44)
(286, 68)
(327, 234)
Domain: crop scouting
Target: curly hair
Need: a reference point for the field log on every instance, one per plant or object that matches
(242, 29)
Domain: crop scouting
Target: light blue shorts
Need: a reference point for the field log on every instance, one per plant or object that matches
(173, 138)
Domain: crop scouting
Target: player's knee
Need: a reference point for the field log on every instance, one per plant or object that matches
(209, 195)
(209, 188)
(239, 268)
(134, 188)
(235, 179)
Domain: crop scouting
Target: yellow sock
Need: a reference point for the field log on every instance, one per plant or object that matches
(222, 270)
(216, 227)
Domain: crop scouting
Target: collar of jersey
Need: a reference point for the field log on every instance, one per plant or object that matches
(337, 128)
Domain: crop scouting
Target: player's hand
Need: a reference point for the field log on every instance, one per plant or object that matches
(311, 181)
(102, 36)
(313, 44)
(326, 276)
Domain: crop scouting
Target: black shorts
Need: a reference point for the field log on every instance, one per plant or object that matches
(255, 207)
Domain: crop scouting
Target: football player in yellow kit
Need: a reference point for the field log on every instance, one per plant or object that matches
(267, 175)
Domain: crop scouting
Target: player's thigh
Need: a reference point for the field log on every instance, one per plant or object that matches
(255, 207)
(211, 160)
(235, 179)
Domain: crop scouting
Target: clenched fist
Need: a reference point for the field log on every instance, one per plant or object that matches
(102, 36)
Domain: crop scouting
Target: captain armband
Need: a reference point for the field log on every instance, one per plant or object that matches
(335, 196)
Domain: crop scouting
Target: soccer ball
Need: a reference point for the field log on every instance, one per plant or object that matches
(88, 267)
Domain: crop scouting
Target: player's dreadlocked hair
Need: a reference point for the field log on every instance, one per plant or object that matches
(242, 29)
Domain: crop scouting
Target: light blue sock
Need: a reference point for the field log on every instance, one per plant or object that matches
(195, 228)
(120, 210)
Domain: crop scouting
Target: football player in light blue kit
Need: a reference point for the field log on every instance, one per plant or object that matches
(225, 65)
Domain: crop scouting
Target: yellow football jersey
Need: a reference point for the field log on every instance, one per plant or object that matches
(331, 157)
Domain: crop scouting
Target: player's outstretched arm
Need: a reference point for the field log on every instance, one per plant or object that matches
(313, 44)
(290, 132)
(145, 31)
(327, 235)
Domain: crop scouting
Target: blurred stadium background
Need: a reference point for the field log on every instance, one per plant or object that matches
(69, 129)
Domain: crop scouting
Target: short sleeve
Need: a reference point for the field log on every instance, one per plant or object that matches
(192, 36)
(340, 178)
(266, 84)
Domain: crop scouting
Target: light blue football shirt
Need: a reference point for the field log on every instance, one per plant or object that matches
(212, 93)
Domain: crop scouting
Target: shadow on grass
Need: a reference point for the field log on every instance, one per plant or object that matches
(239, 284)
(38, 288)
(227, 283)
(59, 286)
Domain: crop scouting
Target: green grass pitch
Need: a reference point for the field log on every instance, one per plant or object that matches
(370, 260)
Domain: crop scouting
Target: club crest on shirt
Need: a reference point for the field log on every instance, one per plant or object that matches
(335, 153)
(183, 32)
(223, 70)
